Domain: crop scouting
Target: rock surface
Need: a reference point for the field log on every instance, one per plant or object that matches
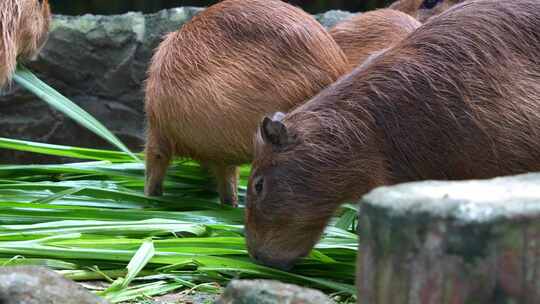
(270, 292)
(100, 63)
(38, 285)
(451, 242)
(331, 18)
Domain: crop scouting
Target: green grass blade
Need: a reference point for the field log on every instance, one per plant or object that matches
(55, 264)
(139, 261)
(64, 151)
(135, 266)
(143, 291)
(90, 219)
(29, 81)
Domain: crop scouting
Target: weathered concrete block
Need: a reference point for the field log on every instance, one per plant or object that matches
(38, 285)
(470, 242)
(270, 292)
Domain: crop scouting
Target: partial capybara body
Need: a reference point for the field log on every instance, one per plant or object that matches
(423, 9)
(369, 33)
(457, 99)
(212, 81)
(24, 25)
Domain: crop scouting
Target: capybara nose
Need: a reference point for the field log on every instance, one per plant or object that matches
(272, 261)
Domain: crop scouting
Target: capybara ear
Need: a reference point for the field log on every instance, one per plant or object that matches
(278, 116)
(46, 10)
(273, 131)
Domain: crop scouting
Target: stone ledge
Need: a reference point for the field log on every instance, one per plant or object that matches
(270, 292)
(465, 201)
(39, 285)
(451, 242)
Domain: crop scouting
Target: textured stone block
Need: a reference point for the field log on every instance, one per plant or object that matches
(270, 292)
(39, 285)
(467, 242)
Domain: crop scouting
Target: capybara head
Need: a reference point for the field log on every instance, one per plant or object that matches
(271, 214)
(457, 99)
(24, 25)
(290, 190)
(366, 34)
(423, 9)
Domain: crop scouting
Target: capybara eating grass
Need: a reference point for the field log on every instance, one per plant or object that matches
(457, 99)
(423, 9)
(24, 27)
(212, 81)
(367, 34)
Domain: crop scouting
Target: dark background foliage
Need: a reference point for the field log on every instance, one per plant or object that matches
(77, 7)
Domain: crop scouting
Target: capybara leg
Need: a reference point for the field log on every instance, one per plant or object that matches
(206, 168)
(227, 183)
(157, 161)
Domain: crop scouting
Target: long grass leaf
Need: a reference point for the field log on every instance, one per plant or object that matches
(90, 219)
(64, 151)
(29, 81)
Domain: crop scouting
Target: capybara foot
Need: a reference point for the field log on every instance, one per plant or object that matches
(153, 190)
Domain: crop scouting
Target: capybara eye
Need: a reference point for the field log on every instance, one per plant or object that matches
(429, 4)
(259, 185)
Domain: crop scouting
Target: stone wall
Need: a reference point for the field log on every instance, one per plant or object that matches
(100, 63)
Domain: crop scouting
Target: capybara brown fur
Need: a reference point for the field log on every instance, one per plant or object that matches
(423, 9)
(24, 27)
(211, 82)
(364, 35)
(457, 99)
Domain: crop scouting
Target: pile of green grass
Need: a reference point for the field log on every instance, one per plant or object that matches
(91, 221)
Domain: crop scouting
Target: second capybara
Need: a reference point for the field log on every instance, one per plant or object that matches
(24, 27)
(211, 82)
(423, 9)
(457, 99)
(364, 35)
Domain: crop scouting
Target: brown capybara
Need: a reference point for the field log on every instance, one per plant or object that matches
(211, 82)
(423, 9)
(24, 27)
(369, 33)
(457, 99)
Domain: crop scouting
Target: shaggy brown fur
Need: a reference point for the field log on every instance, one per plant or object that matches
(212, 81)
(366, 34)
(24, 25)
(422, 9)
(457, 99)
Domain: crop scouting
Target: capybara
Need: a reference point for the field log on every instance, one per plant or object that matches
(457, 99)
(211, 82)
(423, 9)
(364, 35)
(24, 27)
